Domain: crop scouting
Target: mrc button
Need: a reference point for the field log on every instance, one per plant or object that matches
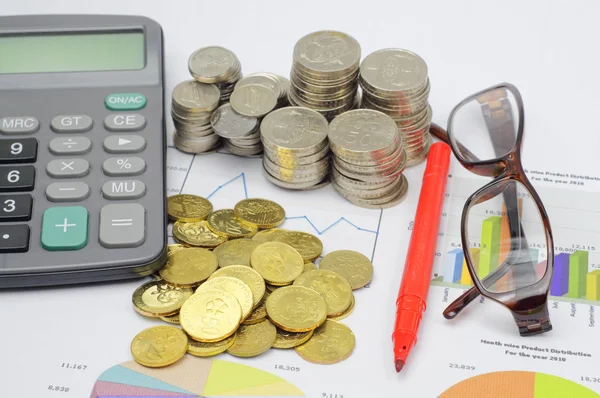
(125, 102)
(19, 125)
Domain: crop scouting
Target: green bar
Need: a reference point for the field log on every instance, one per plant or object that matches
(578, 269)
(490, 245)
(593, 286)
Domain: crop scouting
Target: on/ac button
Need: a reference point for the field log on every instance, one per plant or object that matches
(125, 101)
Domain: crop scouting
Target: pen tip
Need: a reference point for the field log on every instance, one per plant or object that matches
(399, 365)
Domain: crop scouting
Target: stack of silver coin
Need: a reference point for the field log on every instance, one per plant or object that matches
(191, 107)
(296, 148)
(240, 133)
(395, 82)
(324, 73)
(368, 159)
(216, 65)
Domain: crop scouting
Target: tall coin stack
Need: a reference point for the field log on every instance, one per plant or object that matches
(191, 108)
(216, 65)
(395, 82)
(324, 73)
(296, 148)
(368, 159)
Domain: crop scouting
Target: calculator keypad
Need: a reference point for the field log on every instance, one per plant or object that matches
(19, 125)
(74, 191)
(122, 225)
(124, 144)
(72, 124)
(18, 150)
(131, 166)
(127, 122)
(70, 146)
(14, 238)
(16, 207)
(17, 178)
(68, 168)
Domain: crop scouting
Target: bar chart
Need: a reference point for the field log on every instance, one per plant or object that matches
(575, 221)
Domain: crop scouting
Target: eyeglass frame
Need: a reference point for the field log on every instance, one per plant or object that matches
(529, 304)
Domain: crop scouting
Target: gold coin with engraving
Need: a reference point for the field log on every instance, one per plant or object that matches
(189, 267)
(172, 319)
(259, 313)
(346, 313)
(277, 262)
(309, 267)
(235, 286)
(188, 208)
(235, 252)
(210, 315)
(159, 346)
(355, 267)
(174, 248)
(200, 349)
(331, 343)
(272, 288)
(253, 340)
(247, 275)
(268, 235)
(259, 213)
(334, 288)
(309, 246)
(224, 223)
(196, 234)
(296, 309)
(287, 339)
(157, 298)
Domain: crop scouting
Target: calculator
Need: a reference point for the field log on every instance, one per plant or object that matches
(82, 149)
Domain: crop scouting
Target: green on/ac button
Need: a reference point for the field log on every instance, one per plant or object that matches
(125, 102)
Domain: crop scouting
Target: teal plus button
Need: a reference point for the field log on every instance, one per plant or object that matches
(125, 102)
(65, 228)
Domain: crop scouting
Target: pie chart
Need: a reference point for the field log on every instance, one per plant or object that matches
(191, 377)
(517, 384)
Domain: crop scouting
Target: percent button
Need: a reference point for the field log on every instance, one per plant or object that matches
(130, 166)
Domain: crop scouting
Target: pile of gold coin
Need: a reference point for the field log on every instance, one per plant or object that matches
(236, 283)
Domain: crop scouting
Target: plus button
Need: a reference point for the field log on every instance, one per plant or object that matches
(65, 225)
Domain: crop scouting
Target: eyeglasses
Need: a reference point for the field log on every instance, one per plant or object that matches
(504, 224)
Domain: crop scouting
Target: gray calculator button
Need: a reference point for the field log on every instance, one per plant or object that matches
(70, 145)
(67, 191)
(125, 122)
(124, 144)
(122, 225)
(71, 124)
(123, 189)
(66, 168)
(127, 166)
(19, 125)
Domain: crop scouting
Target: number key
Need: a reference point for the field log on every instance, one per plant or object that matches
(15, 207)
(22, 150)
(16, 178)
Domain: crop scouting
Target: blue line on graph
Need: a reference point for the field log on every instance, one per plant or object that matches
(242, 175)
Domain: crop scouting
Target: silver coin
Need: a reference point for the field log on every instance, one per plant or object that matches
(304, 186)
(243, 151)
(391, 201)
(253, 100)
(294, 175)
(229, 124)
(351, 183)
(294, 129)
(212, 64)
(199, 145)
(382, 169)
(263, 79)
(394, 70)
(293, 161)
(327, 51)
(382, 193)
(193, 96)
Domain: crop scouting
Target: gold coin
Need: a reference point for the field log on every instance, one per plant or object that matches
(200, 349)
(277, 262)
(355, 267)
(296, 309)
(196, 234)
(335, 290)
(268, 235)
(174, 248)
(172, 319)
(235, 286)
(235, 252)
(190, 267)
(259, 314)
(272, 288)
(224, 223)
(345, 314)
(247, 275)
(253, 340)
(331, 343)
(188, 208)
(309, 246)
(287, 339)
(309, 267)
(259, 213)
(159, 346)
(157, 298)
(210, 315)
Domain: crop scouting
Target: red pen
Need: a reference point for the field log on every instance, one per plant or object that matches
(416, 278)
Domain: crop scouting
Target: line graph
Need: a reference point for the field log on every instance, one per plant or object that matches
(241, 175)
(341, 219)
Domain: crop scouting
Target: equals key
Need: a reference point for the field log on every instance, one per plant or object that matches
(122, 225)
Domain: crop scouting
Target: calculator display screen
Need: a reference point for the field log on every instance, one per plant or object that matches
(72, 52)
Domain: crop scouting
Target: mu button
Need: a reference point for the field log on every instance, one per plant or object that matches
(65, 228)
